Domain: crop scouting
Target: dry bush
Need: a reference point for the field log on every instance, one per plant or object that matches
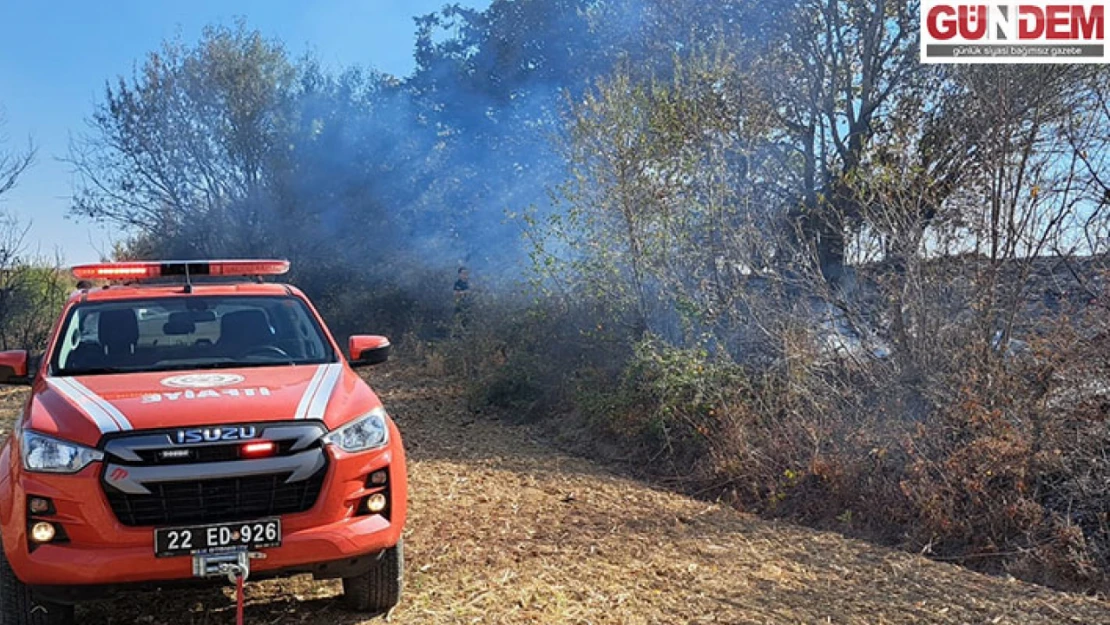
(988, 454)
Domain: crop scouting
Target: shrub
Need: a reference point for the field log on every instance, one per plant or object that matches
(990, 460)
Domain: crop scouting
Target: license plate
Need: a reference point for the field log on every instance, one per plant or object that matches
(217, 538)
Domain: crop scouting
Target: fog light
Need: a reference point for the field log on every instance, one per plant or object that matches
(42, 532)
(376, 502)
(40, 505)
(379, 478)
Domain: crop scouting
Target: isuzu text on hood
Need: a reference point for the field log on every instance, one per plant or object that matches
(188, 422)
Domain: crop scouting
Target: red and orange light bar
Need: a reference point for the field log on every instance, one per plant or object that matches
(139, 270)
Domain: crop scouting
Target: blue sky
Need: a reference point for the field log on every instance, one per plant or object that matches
(56, 55)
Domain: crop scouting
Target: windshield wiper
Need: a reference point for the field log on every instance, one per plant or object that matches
(235, 364)
(240, 364)
(91, 371)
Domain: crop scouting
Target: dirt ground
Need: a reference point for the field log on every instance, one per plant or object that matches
(503, 529)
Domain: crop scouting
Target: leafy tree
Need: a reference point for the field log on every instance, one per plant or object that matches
(835, 71)
(660, 216)
(189, 141)
(31, 297)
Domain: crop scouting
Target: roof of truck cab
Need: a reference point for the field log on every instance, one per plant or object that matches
(139, 290)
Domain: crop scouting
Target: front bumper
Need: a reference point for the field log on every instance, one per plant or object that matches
(334, 569)
(102, 551)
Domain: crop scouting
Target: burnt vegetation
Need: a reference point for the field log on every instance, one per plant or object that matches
(754, 250)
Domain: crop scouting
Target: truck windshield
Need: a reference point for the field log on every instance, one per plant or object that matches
(188, 333)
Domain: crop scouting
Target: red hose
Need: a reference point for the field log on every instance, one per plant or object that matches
(239, 600)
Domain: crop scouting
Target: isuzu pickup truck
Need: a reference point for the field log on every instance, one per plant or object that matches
(193, 421)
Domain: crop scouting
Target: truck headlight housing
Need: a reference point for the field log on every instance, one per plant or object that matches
(362, 434)
(45, 454)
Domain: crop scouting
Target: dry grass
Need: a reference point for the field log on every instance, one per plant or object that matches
(505, 530)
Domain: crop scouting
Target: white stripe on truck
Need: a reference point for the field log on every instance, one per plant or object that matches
(319, 403)
(106, 416)
(309, 391)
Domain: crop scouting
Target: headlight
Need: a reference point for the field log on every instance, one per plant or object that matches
(50, 455)
(366, 432)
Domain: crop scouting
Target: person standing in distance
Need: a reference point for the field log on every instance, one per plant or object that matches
(462, 289)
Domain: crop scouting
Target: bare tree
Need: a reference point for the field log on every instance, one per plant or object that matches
(13, 162)
(22, 303)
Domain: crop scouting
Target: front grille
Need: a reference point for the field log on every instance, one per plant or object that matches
(217, 500)
(207, 453)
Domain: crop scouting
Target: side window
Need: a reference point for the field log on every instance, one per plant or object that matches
(290, 339)
(80, 328)
(307, 337)
(312, 345)
(296, 332)
(88, 325)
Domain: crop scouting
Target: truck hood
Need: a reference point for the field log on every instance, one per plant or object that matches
(84, 408)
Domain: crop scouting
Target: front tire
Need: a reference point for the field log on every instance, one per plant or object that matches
(379, 589)
(18, 605)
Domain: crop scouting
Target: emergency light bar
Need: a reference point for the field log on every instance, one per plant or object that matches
(138, 270)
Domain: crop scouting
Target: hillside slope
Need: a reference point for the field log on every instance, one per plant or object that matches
(506, 530)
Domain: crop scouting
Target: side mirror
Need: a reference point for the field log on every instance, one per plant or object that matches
(366, 350)
(14, 367)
